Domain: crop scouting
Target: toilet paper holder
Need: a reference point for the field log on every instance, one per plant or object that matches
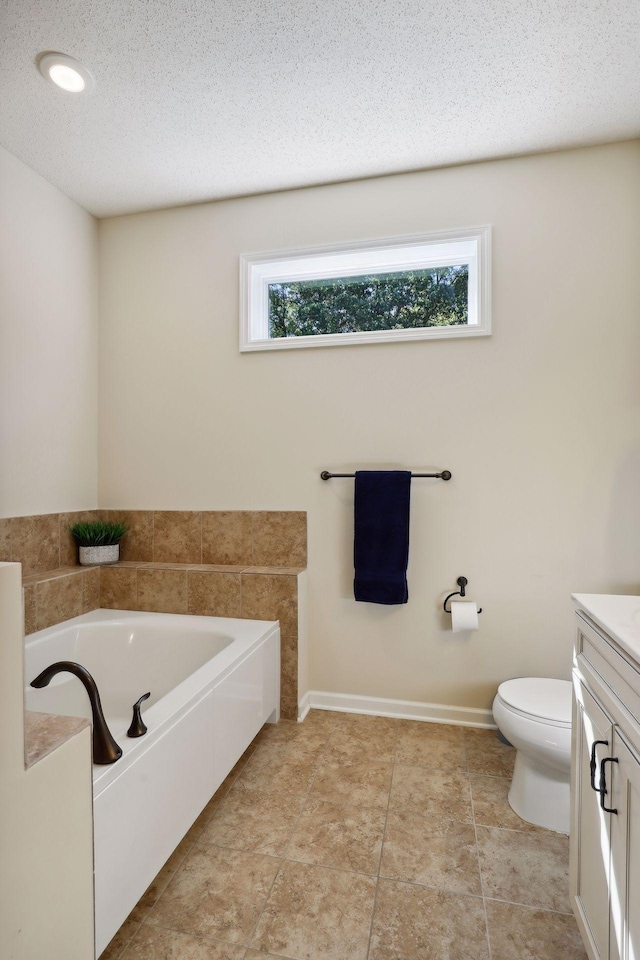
(462, 583)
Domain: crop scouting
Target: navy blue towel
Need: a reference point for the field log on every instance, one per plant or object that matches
(381, 541)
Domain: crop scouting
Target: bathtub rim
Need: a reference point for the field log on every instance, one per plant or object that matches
(180, 699)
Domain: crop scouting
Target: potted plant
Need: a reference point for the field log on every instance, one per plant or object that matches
(98, 540)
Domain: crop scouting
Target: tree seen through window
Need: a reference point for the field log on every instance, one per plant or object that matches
(433, 297)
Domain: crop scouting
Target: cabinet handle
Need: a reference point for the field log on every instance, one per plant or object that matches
(603, 784)
(594, 763)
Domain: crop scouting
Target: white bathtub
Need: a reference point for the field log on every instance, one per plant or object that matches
(213, 682)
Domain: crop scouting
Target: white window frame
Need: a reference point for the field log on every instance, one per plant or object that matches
(470, 245)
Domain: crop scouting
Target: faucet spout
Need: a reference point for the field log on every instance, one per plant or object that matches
(105, 748)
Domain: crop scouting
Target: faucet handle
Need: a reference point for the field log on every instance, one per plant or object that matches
(138, 728)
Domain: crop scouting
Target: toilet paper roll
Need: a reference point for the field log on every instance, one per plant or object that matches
(464, 616)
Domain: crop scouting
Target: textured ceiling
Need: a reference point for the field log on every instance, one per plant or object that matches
(201, 99)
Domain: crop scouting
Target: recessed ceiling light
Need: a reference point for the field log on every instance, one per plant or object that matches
(68, 74)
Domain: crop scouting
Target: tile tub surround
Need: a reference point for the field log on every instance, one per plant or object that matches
(313, 849)
(227, 537)
(58, 595)
(41, 543)
(252, 593)
(262, 538)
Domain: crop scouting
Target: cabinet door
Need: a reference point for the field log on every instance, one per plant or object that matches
(590, 830)
(623, 783)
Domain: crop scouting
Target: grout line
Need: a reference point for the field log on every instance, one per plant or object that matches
(427, 886)
(126, 945)
(475, 833)
(196, 936)
(384, 835)
(164, 886)
(525, 830)
(530, 906)
(283, 857)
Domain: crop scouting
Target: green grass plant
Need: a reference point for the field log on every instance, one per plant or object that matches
(97, 533)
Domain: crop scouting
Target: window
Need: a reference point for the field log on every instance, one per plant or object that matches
(411, 288)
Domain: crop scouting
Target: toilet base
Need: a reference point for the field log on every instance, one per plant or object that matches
(540, 794)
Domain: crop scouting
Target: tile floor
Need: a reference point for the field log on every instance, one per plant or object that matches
(351, 837)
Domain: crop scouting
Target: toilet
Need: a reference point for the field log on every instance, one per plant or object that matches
(534, 714)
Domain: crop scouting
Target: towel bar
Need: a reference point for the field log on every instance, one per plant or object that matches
(445, 475)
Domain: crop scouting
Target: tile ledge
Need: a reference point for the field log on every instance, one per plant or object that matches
(206, 567)
(55, 574)
(45, 732)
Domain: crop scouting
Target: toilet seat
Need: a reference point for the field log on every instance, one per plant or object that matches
(540, 699)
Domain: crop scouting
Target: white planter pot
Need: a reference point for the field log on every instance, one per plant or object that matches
(91, 556)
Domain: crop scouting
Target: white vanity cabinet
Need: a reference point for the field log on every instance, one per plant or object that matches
(605, 825)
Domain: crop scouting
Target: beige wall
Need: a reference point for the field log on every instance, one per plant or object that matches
(46, 839)
(48, 347)
(538, 423)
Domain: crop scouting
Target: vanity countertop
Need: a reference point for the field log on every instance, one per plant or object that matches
(619, 616)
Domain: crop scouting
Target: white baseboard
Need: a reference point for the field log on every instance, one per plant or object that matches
(400, 709)
(303, 708)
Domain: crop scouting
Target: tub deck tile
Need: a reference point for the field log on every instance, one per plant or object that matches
(45, 732)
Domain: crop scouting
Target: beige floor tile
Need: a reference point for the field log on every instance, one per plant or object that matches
(195, 831)
(317, 792)
(278, 769)
(314, 913)
(313, 737)
(431, 745)
(491, 805)
(150, 897)
(487, 755)
(321, 719)
(356, 737)
(234, 773)
(417, 923)
(257, 954)
(339, 835)
(438, 853)
(527, 868)
(254, 821)
(523, 933)
(431, 793)
(425, 728)
(156, 943)
(299, 746)
(367, 723)
(364, 782)
(216, 893)
(116, 946)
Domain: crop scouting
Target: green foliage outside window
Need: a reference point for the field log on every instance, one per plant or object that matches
(435, 297)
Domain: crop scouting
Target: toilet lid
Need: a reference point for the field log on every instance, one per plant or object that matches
(539, 697)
